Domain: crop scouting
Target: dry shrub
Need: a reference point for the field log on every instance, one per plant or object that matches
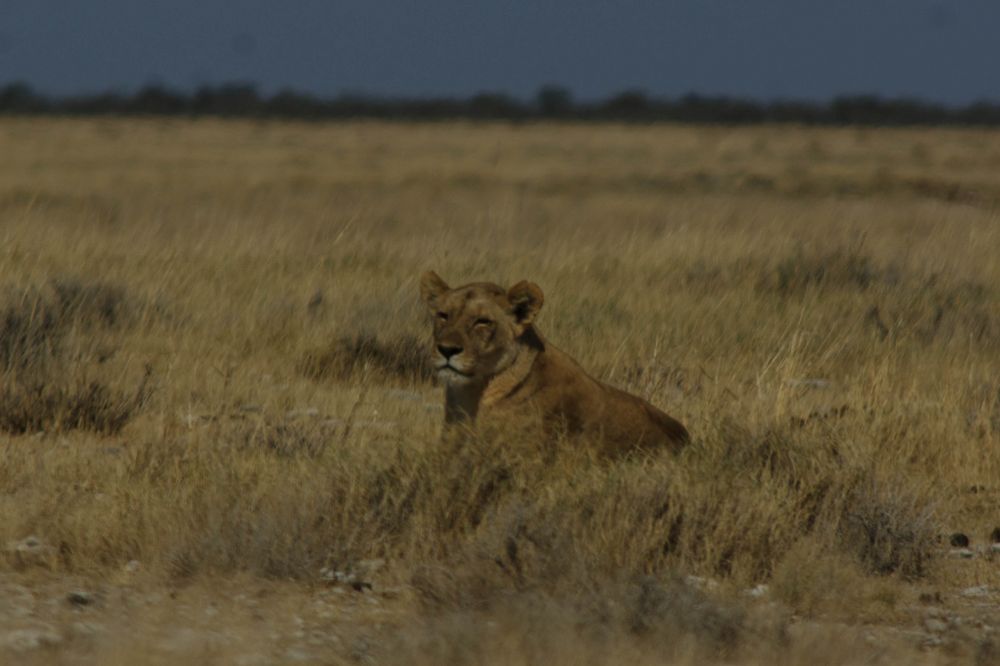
(93, 303)
(30, 330)
(34, 322)
(678, 607)
(841, 268)
(28, 408)
(401, 357)
(888, 526)
(44, 385)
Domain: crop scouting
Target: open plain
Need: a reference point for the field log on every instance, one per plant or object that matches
(219, 436)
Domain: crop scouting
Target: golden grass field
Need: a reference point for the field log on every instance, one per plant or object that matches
(216, 422)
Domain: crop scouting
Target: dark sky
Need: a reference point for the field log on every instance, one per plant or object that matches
(941, 50)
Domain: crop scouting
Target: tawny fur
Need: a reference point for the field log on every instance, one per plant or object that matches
(495, 363)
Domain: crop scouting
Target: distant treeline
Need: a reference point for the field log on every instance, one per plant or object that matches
(550, 103)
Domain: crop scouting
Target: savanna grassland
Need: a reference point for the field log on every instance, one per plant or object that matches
(219, 435)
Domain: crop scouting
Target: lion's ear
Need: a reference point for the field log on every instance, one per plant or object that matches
(526, 300)
(431, 287)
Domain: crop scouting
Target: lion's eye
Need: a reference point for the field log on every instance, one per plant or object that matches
(483, 322)
(443, 316)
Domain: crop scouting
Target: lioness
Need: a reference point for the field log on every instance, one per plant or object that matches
(493, 360)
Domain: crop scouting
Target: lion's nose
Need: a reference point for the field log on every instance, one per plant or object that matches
(448, 351)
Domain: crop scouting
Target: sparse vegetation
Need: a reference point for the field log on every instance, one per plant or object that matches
(828, 332)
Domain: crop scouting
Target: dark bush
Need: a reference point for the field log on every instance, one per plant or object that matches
(31, 330)
(36, 407)
(35, 322)
(40, 381)
(888, 528)
(94, 303)
(848, 269)
(404, 357)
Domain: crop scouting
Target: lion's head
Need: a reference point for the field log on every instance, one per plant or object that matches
(477, 327)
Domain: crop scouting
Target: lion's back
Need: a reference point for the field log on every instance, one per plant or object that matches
(563, 391)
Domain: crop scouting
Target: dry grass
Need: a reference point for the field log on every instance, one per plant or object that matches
(820, 307)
